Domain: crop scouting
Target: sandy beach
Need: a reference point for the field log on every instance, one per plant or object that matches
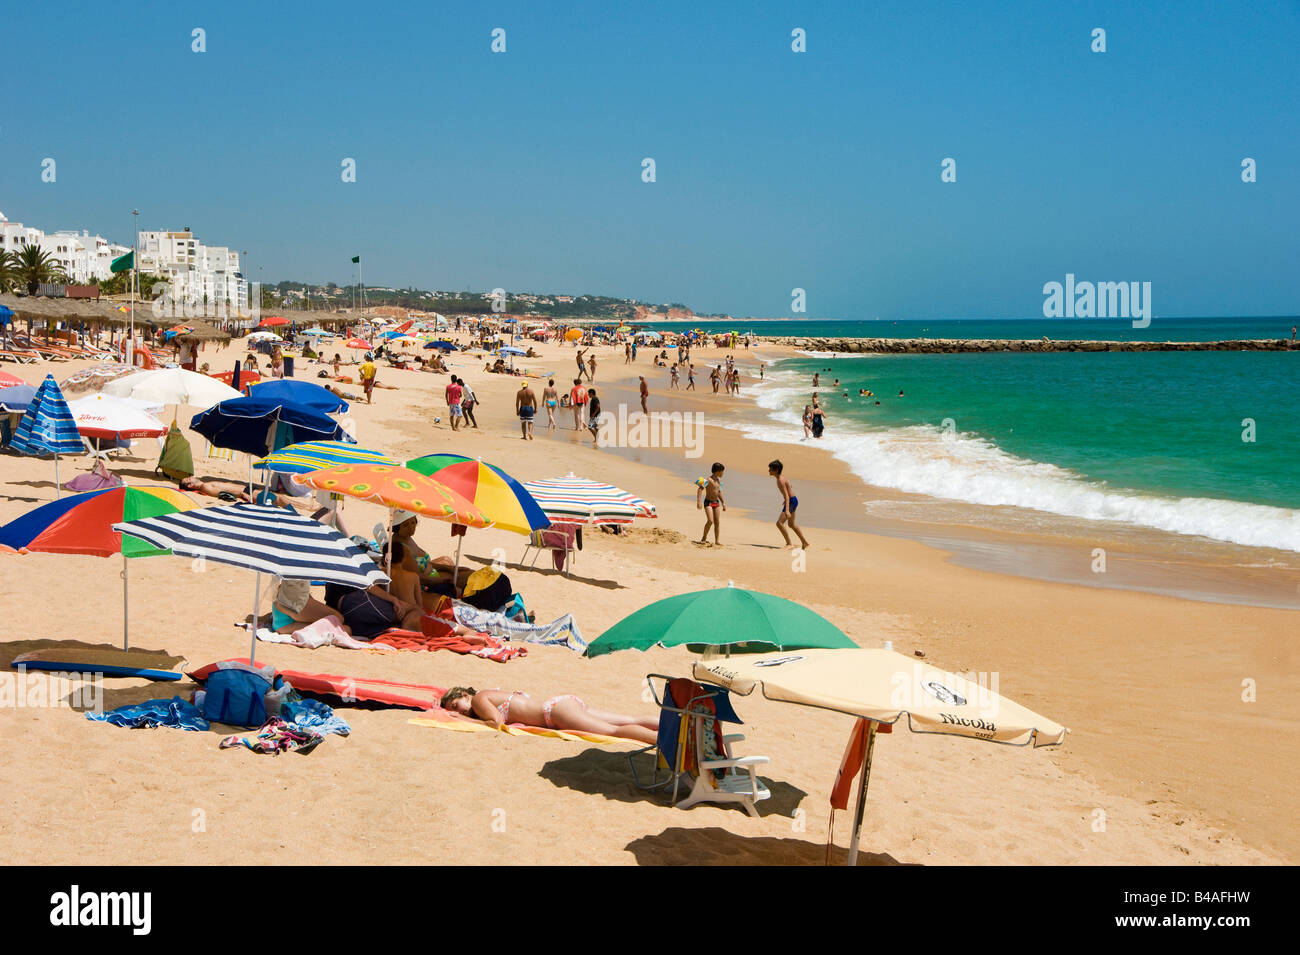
(1165, 764)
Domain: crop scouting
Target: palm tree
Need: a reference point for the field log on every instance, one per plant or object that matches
(35, 266)
(8, 271)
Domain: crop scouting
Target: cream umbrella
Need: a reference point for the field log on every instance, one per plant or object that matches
(172, 386)
(881, 687)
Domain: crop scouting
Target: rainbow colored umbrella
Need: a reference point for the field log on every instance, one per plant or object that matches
(494, 492)
(83, 524)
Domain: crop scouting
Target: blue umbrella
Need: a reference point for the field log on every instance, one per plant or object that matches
(257, 426)
(48, 427)
(305, 393)
(511, 350)
(16, 398)
(443, 345)
(6, 314)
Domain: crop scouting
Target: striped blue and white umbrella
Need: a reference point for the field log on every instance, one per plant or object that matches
(317, 455)
(48, 427)
(575, 500)
(268, 540)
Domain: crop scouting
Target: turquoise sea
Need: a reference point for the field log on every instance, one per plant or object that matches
(1201, 443)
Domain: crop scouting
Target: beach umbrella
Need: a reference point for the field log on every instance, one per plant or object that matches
(498, 495)
(48, 427)
(880, 688)
(264, 337)
(172, 386)
(575, 500)
(573, 335)
(305, 393)
(93, 379)
(271, 321)
(443, 345)
(741, 620)
(319, 455)
(397, 487)
(15, 399)
(358, 343)
(83, 524)
(115, 419)
(252, 425)
(7, 380)
(317, 333)
(512, 350)
(267, 540)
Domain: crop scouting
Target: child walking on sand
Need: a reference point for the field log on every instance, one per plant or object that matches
(788, 505)
(709, 497)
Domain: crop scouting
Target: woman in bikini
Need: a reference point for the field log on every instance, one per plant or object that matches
(565, 712)
(551, 398)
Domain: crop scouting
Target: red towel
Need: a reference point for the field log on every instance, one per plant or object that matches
(410, 640)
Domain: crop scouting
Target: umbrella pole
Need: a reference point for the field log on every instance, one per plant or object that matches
(862, 791)
(252, 627)
(388, 557)
(57, 494)
(126, 610)
(455, 571)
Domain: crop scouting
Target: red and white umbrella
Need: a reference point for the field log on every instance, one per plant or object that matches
(116, 419)
(358, 343)
(575, 500)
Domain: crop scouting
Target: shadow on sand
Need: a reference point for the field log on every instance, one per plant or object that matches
(714, 846)
(600, 772)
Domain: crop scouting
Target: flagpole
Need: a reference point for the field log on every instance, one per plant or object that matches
(129, 355)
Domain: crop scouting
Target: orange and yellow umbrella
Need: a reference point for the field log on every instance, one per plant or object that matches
(398, 487)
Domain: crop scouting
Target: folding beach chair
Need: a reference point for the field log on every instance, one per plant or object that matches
(557, 537)
(692, 749)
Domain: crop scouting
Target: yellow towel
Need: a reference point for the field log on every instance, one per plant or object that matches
(574, 737)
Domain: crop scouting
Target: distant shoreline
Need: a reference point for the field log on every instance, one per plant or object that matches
(916, 346)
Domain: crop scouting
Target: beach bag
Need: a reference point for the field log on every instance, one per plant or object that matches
(177, 458)
(239, 694)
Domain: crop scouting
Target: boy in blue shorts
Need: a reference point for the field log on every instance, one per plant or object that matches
(789, 503)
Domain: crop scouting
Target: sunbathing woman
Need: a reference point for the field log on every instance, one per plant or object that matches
(566, 712)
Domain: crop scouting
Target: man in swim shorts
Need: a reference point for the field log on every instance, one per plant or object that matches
(525, 407)
(789, 503)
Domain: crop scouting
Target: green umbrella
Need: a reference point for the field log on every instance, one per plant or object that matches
(742, 620)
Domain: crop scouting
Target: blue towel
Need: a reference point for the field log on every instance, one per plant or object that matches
(153, 713)
(315, 716)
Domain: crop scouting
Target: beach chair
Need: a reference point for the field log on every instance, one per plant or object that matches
(557, 537)
(222, 454)
(691, 748)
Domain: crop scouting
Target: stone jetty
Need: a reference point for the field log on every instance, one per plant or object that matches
(950, 346)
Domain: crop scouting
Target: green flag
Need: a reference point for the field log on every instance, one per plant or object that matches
(122, 263)
(356, 258)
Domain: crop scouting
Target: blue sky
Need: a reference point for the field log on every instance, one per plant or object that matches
(775, 170)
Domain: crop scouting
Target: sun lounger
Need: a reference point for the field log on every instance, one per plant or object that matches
(692, 749)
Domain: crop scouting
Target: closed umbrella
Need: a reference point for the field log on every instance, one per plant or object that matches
(881, 688)
(740, 620)
(267, 540)
(48, 427)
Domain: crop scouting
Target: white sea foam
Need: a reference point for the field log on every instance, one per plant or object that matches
(923, 459)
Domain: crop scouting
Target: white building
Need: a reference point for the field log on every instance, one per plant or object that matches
(84, 257)
(199, 274)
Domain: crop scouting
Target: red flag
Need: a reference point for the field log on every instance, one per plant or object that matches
(850, 765)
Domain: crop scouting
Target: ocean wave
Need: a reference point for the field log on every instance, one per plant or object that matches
(922, 459)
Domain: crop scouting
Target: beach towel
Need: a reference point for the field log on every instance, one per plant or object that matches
(440, 719)
(560, 632)
(411, 640)
(151, 714)
(301, 726)
(96, 479)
